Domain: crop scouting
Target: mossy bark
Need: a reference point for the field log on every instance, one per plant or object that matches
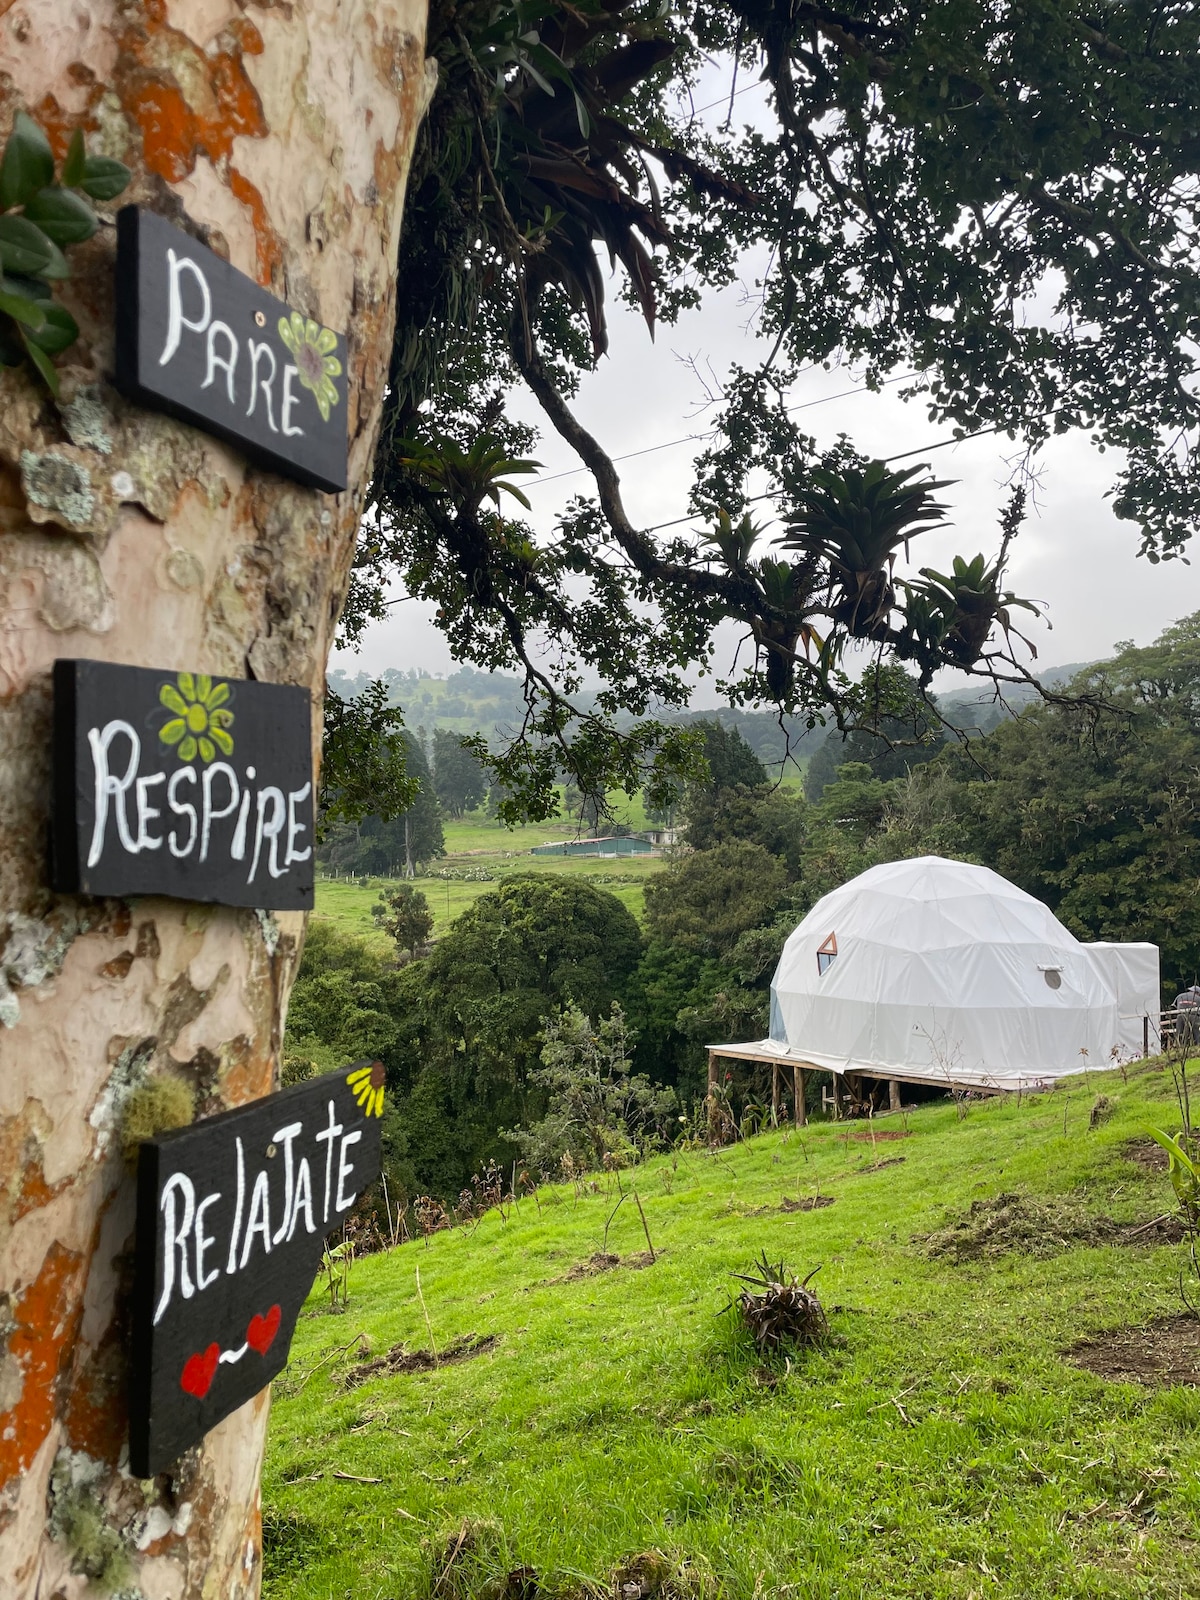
(279, 134)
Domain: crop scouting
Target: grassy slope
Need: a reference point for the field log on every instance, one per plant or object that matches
(942, 1446)
(473, 844)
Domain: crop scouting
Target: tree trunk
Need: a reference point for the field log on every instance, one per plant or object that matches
(279, 134)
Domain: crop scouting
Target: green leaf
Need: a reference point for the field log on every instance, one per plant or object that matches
(59, 267)
(27, 165)
(62, 215)
(42, 362)
(21, 309)
(104, 178)
(23, 246)
(58, 331)
(72, 168)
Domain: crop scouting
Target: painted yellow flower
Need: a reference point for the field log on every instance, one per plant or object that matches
(312, 347)
(200, 725)
(367, 1083)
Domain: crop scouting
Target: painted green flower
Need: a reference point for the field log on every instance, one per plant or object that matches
(201, 723)
(312, 347)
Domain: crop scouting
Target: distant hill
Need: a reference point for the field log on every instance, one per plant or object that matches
(470, 701)
(979, 709)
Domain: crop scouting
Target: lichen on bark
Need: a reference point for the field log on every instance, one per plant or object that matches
(280, 135)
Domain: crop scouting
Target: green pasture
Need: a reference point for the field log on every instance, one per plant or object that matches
(621, 1437)
(481, 848)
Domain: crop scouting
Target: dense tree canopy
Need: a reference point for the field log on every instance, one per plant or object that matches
(1101, 818)
(1001, 200)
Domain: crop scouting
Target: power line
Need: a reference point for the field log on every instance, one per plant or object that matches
(904, 455)
(691, 438)
(761, 83)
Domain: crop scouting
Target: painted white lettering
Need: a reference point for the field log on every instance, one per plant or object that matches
(295, 829)
(285, 1137)
(208, 813)
(269, 828)
(107, 785)
(175, 1238)
(182, 809)
(259, 1220)
(326, 1137)
(289, 400)
(176, 321)
(231, 1262)
(227, 362)
(303, 1198)
(203, 1240)
(255, 351)
(345, 1168)
(146, 813)
(238, 848)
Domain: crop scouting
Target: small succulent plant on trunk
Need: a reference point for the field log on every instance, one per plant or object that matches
(39, 214)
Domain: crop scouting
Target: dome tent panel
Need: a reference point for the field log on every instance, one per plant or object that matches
(1132, 972)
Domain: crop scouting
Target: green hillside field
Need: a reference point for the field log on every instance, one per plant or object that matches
(618, 1436)
(476, 846)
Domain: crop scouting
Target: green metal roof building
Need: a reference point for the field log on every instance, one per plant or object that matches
(625, 846)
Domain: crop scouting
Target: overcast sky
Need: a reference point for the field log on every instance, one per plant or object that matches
(1072, 553)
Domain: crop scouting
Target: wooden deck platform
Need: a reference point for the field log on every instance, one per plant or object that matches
(799, 1068)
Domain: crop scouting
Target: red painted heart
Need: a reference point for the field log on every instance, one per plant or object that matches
(199, 1370)
(260, 1335)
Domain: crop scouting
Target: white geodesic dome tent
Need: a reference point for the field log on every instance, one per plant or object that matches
(937, 970)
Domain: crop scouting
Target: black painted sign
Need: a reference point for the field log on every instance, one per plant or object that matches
(201, 340)
(181, 783)
(232, 1216)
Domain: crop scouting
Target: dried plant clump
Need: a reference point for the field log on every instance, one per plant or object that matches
(777, 1309)
(655, 1575)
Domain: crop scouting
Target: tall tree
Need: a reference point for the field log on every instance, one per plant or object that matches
(460, 781)
(280, 136)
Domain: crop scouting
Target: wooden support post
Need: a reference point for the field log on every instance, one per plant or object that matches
(798, 1080)
(774, 1094)
(837, 1099)
(893, 1094)
(711, 1102)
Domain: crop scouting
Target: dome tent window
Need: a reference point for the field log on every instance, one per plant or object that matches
(1053, 977)
(827, 955)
